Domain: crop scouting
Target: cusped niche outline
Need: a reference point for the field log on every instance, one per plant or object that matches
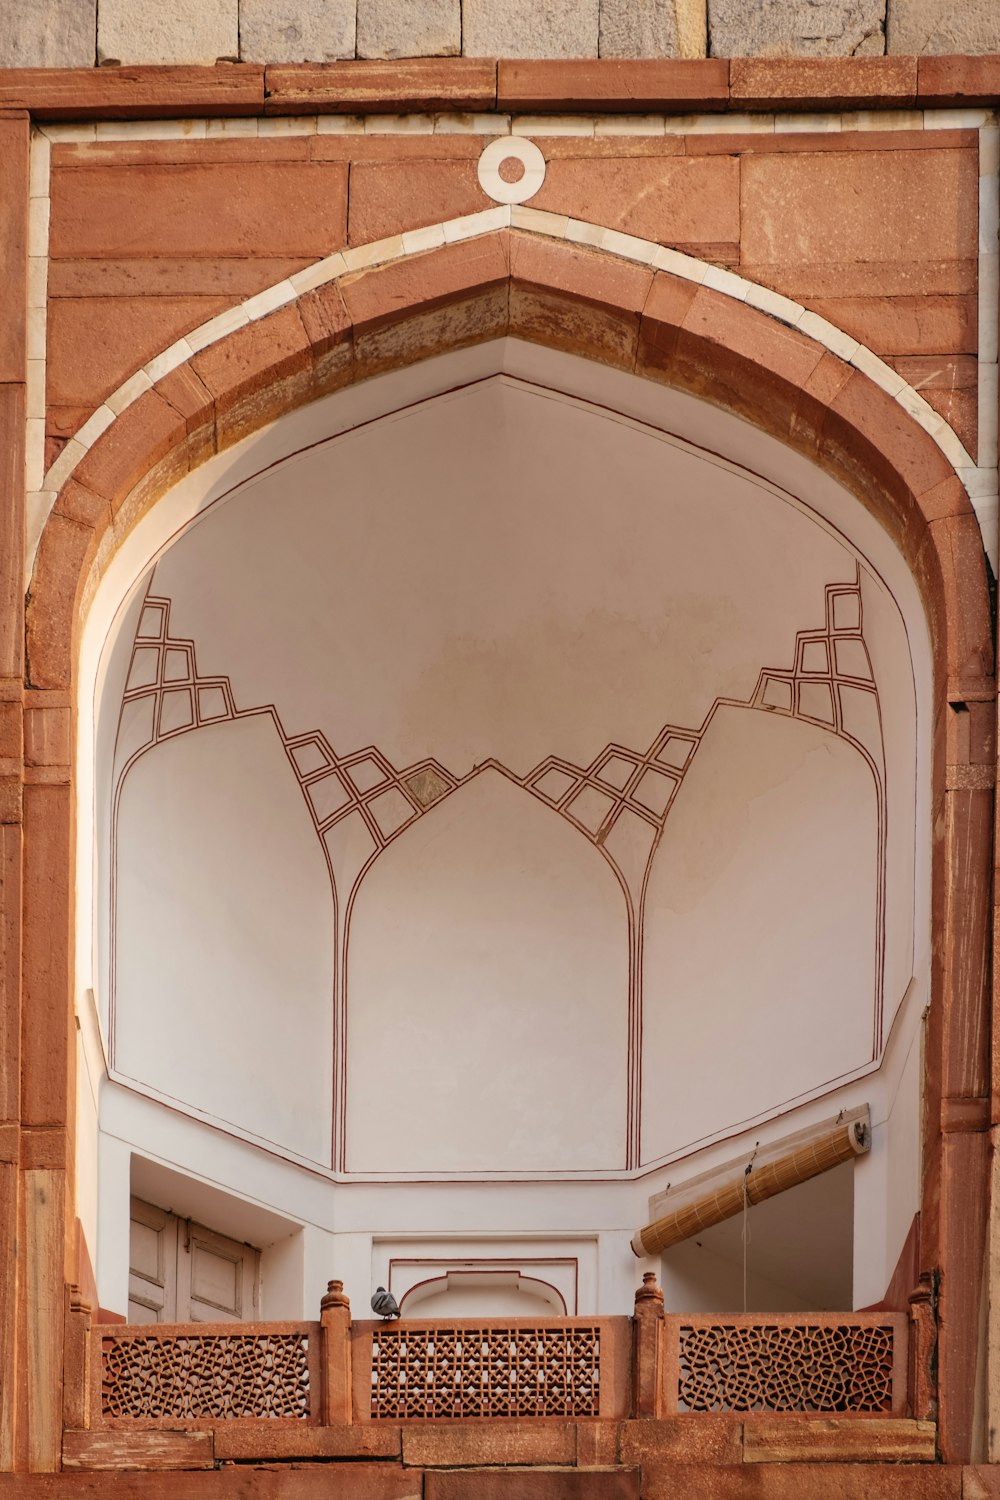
(360, 803)
(483, 981)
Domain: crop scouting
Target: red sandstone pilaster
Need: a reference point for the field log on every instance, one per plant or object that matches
(335, 1355)
(647, 1349)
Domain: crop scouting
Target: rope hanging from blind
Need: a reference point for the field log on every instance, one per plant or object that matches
(784, 1164)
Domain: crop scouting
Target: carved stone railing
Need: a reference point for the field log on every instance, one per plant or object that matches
(337, 1372)
(515, 1367)
(207, 1373)
(815, 1363)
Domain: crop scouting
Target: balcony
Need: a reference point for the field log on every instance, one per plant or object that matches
(609, 1395)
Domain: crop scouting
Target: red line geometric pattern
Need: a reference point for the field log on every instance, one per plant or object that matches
(619, 803)
(831, 682)
(163, 671)
(364, 781)
(831, 666)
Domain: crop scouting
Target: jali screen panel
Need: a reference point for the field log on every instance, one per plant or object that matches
(780, 1366)
(488, 1371)
(207, 1376)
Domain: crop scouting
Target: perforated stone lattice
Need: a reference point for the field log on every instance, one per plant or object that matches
(485, 1372)
(809, 1368)
(216, 1375)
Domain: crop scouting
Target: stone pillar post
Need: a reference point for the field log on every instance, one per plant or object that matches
(335, 1355)
(77, 1355)
(647, 1349)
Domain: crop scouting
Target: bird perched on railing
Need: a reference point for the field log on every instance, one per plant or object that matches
(385, 1304)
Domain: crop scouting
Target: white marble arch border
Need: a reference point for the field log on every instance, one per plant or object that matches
(978, 474)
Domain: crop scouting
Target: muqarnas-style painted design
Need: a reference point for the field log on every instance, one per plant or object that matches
(360, 804)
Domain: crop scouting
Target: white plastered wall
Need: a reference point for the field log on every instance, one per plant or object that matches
(224, 957)
(341, 1220)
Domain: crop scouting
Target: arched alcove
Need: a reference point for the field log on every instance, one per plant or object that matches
(592, 731)
(514, 558)
(483, 1294)
(487, 1029)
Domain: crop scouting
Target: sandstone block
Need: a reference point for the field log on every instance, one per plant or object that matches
(920, 210)
(637, 86)
(49, 34)
(962, 81)
(688, 202)
(167, 93)
(409, 28)
(681, 1440)
(980, 1483)
(208, 212)
(805, 1482)
(525, 1484)
(599, 320)
(408, 86)
(451, 274)
(824, 1440)
(388, 197)
(492, 1444)
(951, 387)
(473, 320)
(824, 83)
(524, 28)
(82, 369)
(167, 31)
(652, 28)
(797, 28)
(140, 1450)
(290, 31)
(12, 412)
(939, 26)
(903, 325)
(14, 213)
(304, 1442)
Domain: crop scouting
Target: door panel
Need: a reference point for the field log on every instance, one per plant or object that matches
(216, 1278)
(152, 1282)
(180, 1272)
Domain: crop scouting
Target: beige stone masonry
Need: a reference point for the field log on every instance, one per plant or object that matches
(409, 28)
(48, 34)
(290, 31)
(941, 26)
(523, 28)
(78, 33)
(797, 28)
(176, 31)
(652, 28)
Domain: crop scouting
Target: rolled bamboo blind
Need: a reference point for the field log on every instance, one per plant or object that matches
(808, 1158)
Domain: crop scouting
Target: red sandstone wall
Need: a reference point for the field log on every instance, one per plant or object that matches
(273, 205)
(875, 231)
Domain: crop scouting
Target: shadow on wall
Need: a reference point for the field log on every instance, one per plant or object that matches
(799, 1255)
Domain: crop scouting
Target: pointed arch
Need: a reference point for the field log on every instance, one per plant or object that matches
(643, 318)
(359, 323)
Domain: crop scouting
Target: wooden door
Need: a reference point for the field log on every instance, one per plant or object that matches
(152, 1272)
(182, 1272)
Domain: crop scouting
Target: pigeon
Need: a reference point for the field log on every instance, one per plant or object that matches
(385, 1304)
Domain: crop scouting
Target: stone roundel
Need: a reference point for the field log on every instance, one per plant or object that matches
(512, 149)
